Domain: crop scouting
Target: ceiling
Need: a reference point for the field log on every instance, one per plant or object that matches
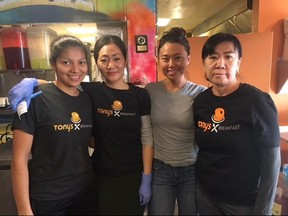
(184, 13)
(188, 13)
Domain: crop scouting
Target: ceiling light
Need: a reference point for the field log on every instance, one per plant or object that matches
(161, 22)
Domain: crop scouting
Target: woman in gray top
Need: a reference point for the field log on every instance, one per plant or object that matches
(173, 129)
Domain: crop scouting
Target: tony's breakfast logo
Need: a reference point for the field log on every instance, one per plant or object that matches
(75, 125)
(115, 110)
(217, 118)
(117, 107)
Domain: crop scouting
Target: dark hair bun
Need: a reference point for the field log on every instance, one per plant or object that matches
(175, 35)
(176, 31)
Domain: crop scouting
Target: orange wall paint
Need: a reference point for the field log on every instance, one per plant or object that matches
(268, 16)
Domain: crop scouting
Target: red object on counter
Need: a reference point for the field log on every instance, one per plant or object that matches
(15, 48)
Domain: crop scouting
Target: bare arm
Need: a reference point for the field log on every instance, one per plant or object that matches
(41, 82)
(22, 143)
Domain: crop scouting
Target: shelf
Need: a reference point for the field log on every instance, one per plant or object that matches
(25, 71)
(282, 77)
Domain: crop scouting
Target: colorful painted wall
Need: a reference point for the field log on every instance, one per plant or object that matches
(141, 20)
(140, 16)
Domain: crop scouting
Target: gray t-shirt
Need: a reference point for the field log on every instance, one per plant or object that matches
(173, 124)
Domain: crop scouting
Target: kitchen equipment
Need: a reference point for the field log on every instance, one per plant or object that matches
(4, 102)
(2, 58)
(15, 49)
(10, 78)
(39, 39)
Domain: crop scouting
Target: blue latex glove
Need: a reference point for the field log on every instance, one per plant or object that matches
(145, 189)
(22, 91)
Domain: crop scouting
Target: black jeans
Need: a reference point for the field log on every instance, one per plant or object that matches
(118, 195)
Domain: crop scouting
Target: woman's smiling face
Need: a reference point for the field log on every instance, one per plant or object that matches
(71, 66)
(111, 63)
(173, 60)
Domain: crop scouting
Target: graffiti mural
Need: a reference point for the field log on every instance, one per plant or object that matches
(139, 15)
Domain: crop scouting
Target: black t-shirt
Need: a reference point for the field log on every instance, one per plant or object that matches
(62, 126)
(117, 127)
(230, 131)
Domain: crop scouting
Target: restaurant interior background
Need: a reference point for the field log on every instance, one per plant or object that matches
(259, 24)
